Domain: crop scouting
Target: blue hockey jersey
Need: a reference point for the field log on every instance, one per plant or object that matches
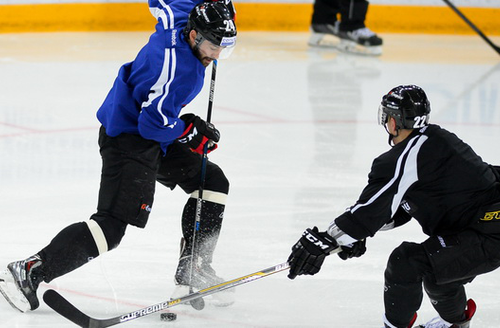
(149, 93)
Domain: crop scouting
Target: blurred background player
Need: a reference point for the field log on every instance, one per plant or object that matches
(344, 19)
(144, 139)
(430, 175)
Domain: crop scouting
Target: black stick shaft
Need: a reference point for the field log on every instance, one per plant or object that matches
(197, 304)
(474, 27)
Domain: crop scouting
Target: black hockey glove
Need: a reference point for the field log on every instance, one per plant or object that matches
(198, 133)
(353, 250)
(309, 252)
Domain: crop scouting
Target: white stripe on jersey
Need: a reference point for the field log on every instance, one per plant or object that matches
(157, 88)
(412, 175)
(162, 85)
(158, 13)
(173, 60)
(170, 13)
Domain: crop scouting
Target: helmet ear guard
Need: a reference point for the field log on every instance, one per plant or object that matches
(408, 105)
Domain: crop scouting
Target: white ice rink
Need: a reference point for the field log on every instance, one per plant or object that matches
(299, 133)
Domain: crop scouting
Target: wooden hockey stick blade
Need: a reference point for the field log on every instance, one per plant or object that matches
(62, 306)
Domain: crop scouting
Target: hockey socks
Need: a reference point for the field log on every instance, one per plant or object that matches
(212, 214)
(71, 248)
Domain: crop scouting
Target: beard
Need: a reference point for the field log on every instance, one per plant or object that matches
(205, 60)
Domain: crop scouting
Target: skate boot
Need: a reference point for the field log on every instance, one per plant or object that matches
(437, 322)
(319, 31)
(361, 41)
(203, 276)
(19, 283)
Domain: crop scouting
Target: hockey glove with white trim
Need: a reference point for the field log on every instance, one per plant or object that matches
(309, 252)
(353, 250)
(198, 133)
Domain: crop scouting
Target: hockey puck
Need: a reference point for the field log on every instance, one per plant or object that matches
(168, 316)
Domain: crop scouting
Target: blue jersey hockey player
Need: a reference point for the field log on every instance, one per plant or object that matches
(144, 139)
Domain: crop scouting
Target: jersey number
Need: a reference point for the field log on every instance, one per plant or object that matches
(419, 121)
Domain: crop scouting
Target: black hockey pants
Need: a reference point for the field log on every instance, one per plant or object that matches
(443, 265)
(131, 167)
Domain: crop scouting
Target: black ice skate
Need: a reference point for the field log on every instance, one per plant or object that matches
(19, 283)
(361, 41)
(320, 31)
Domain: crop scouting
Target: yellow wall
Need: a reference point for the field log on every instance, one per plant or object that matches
(251, 16)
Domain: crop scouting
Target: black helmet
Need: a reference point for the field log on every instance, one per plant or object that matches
(214, 21)
(408, 105)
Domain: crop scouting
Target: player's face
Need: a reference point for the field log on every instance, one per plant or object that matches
(208, 52)
(204, 50)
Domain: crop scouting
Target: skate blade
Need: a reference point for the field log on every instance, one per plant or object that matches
(352, 47)
(12, 294)
(322, 40)
(315, 39)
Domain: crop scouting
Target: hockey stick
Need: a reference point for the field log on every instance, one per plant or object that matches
(198, 303)
(62, 306)
(474, 27)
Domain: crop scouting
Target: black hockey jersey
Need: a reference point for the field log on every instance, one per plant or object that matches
(432, 176)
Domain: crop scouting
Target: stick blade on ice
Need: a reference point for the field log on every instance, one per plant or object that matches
(59, 304)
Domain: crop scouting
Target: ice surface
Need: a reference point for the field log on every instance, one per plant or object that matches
(299, 133)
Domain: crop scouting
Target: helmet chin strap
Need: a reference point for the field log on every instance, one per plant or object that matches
(391, 136)
(389, 141)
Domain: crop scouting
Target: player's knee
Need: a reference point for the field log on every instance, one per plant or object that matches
(216, 180)
(432, 289)
(403, 263)
(106, 231)
(439, 292)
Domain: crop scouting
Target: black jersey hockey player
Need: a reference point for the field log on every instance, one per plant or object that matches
(145, 139)
(437, 179)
